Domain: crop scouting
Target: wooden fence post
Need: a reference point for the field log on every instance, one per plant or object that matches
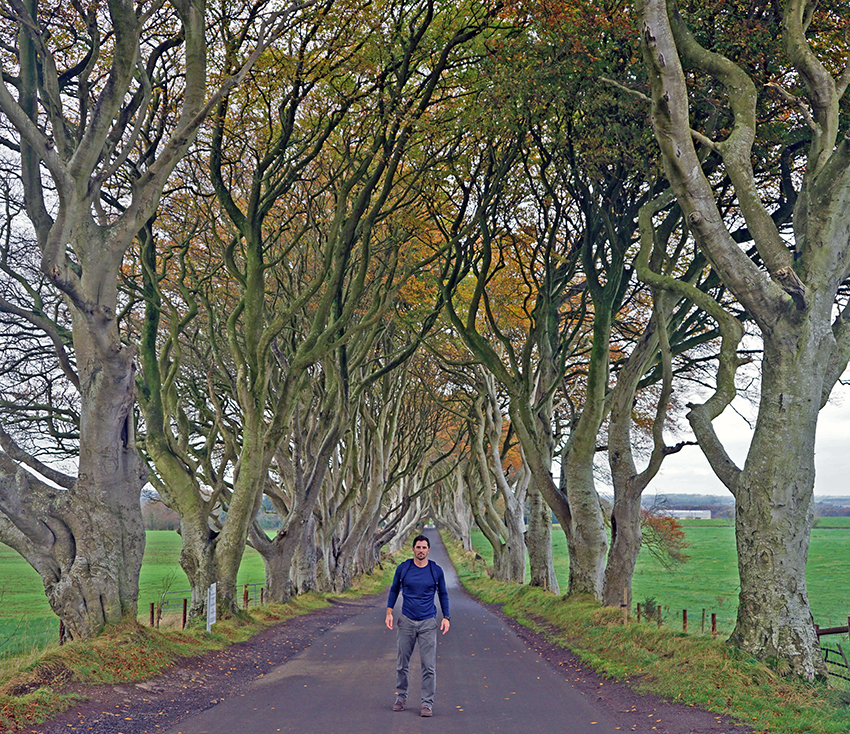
(637, 608)
(245, 597)
(713, 624)
(684, 620)
(262, 595)
(625, 605)
(185, 611)
(153, 614)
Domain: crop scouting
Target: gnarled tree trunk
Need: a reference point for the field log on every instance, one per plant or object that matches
(806, 346)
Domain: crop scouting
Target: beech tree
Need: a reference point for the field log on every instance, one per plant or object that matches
(791, 290)
(104, 99)
(307, 242)
(490, 482)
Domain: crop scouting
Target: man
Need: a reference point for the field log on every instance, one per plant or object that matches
(418, 579)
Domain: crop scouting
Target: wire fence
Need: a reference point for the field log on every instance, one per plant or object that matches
(835, 655)
(171, 602)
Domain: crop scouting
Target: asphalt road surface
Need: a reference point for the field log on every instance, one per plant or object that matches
(488, 680)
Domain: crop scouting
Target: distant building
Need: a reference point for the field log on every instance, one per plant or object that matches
(690, 514)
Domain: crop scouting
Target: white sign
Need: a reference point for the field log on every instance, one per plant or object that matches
(210, 607)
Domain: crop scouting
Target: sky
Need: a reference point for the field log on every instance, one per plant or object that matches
(688, 472)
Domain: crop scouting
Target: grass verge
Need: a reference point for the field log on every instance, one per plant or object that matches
(30, 685)
(695, 670)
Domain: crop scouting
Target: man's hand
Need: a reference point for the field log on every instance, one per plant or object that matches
(389, 621)
(444, 625)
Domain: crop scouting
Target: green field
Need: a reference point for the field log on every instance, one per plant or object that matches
(26, 620)
(709, 579)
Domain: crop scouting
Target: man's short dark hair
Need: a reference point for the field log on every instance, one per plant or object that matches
(421, 537)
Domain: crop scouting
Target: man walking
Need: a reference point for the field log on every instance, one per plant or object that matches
(418, 579)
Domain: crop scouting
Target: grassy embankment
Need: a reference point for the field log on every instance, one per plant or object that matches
(29, 680)
(693, 669)
(709, 580)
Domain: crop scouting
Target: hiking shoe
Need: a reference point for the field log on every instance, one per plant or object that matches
(426, 710)
(398, 705)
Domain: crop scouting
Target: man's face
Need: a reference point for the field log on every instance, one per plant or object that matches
(421, 550)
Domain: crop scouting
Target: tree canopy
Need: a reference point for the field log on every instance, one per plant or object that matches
(361, 265)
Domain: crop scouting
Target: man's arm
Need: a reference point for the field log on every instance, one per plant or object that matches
(395, 588)
(443, 593)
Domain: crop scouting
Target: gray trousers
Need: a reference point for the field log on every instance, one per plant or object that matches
(409, 633)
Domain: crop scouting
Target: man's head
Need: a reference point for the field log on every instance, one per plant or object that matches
(421, 549)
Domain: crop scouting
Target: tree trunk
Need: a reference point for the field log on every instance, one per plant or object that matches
(515, 543)
(197, 559)
(586, 542)
(628, 483)
(86, 542)
(277, 557)
(242, 509)
(774, 513)
(102, 583)
(302, 575)
(462, 512)
(625, 546)
(180, 491)
(538, 540)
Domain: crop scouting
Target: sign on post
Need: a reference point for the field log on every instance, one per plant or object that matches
(210, 606)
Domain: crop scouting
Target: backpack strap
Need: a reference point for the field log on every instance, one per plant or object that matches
(409, 563)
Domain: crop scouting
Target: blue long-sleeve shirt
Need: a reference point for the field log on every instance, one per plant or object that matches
(417, 587)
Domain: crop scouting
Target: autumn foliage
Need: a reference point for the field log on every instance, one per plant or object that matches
(663, 537)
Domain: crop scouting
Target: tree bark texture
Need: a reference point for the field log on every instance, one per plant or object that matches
(625, 547)
(774, 513)
(538, 541)
(587, 539)
(303, 574)
(86, 542)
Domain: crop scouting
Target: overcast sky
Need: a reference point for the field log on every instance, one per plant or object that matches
(688, 471)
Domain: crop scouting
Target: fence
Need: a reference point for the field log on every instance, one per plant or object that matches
(837, 659)
(654, 615)
(251, 594)
(834, 655)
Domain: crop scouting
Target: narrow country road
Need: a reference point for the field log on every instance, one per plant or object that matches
(488, 680)
(333, 671)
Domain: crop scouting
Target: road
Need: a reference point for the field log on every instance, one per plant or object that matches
(488, 680)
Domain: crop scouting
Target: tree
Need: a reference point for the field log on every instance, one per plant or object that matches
(791, 289)
(490, 482)
(304, 247)
(102, 121)
(104, 100)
